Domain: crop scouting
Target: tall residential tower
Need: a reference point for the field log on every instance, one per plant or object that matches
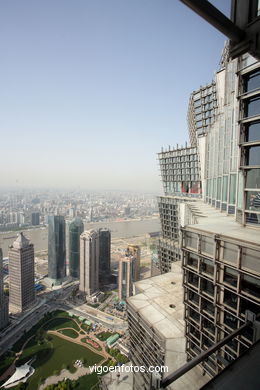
(21, 274)
(3, 298)
(89, 262)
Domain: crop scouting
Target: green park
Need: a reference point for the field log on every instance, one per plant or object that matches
(55, 344)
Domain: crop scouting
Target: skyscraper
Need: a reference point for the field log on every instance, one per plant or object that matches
(35, 219)
(76, 227)
(128, 271)
(21, 274)
(135, 251)
(89, 262)
(56, 248)
(3, 298)
(104, 255)
(210, 216)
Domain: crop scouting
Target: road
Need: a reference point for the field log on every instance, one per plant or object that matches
(54, 301)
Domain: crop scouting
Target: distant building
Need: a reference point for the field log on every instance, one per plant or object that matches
(76, 228)
(71, 212)
(104, 255)
(35, 219)
(56, 248)
(127, 272)
(21, 274)
(3, 298)
(89, 262)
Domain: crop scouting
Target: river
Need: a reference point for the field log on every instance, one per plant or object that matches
(121, 229)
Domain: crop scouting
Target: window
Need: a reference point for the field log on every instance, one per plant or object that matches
(253, 200)
(230, 276)
(208, 306)
(193, 279)
(250, 259)
(245, 304)
(250, 285)
(194, 314)
(214, 188)
(253, 155)
(232, 189)
(224, 188)
(252, 81)
(193, 297)
(230, 320)
(206, 324)
(253, 178)
(207, 266)
(252, 106)
(230, 252)
(253, 218)
(191, 240)
(207, 245)
(230, 299)
(207, 287)
(192, 260)
(252, 132)
(219, 189)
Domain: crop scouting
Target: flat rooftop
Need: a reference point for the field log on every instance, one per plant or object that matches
(211, 220)
(159, 302)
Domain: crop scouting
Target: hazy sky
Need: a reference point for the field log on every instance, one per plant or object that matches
(91, 89)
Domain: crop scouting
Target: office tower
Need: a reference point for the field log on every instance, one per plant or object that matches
(104, 255)
(35, 219)
(76, 228)
(214, 229)
(21, 274)
(128, 270)
(3, 298)
(89, 262)
(56, 249)
(135, 251)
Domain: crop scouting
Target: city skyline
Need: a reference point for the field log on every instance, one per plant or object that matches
(96, 88)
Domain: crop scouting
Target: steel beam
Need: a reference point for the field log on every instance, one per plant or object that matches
(212, 15)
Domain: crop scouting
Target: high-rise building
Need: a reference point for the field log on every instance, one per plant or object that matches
(128, 272)
(56, 248)
(3, 298)
(76, 228)
(221, 250)
(135, 251)
(89, 262)
(210, 218)
(35, 219)
(104, 255)
(21, 274)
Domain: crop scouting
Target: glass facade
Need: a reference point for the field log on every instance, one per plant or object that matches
(104, 255)
(75, 229)
(56, 248)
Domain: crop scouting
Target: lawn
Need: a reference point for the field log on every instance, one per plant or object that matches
(58, 323)
(54, 355)
(103, 336)
(69, 332)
